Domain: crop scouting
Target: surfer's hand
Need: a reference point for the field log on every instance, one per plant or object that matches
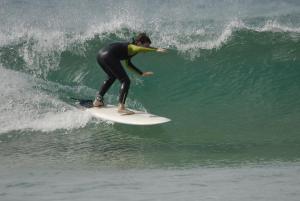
(161, 50)
(145, 74)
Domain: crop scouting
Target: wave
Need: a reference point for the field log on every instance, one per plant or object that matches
(252, 69)
(41, 51)
(25, 107)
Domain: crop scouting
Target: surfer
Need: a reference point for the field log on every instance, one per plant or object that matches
(110, 57)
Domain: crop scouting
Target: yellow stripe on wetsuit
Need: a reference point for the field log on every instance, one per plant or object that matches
(133, 50)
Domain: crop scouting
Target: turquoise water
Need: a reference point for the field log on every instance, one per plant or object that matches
(229, 82)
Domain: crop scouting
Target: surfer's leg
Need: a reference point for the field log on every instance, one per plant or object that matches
(106, 84)
(125, 84)
(119, 72)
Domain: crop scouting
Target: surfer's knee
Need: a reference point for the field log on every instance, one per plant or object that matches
(125, 83)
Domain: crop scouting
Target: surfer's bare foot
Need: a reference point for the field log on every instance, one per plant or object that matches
(98, 103)
(123, 110)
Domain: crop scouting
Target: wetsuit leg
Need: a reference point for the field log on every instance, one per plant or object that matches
(125, 84)
(110, 78)
(118, 71)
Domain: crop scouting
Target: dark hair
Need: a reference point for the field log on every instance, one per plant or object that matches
(142, 38)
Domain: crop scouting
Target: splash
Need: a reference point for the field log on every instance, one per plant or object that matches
(24, 107)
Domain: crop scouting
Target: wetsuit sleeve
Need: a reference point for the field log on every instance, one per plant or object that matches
(130, 66)
(134, 49)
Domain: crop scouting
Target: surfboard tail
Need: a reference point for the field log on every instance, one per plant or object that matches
(87, 103)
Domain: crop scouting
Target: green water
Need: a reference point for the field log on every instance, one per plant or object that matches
(234, 104)
(229, 82)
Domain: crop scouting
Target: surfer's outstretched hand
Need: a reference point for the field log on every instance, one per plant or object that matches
(161, 50)
(145, 74)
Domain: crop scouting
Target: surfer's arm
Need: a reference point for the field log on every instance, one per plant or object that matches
(132, 67)
(134, 49)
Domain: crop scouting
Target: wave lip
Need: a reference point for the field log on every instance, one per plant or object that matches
(193, 48)
(41, 50)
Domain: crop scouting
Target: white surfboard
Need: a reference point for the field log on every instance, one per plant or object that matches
(110, 113)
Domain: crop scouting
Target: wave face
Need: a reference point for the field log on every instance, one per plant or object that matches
(230, 81)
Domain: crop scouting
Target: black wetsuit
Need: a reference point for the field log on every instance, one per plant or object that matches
(109, 58)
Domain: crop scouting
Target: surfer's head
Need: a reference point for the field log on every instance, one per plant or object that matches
(142, 40)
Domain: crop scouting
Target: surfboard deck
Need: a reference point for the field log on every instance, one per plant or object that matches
(110, 113)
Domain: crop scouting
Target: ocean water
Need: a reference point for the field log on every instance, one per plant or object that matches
(230, 82)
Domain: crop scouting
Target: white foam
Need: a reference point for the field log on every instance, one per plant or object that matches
(51, 121)
(23, 106)
(41, 49)
(274, 26)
